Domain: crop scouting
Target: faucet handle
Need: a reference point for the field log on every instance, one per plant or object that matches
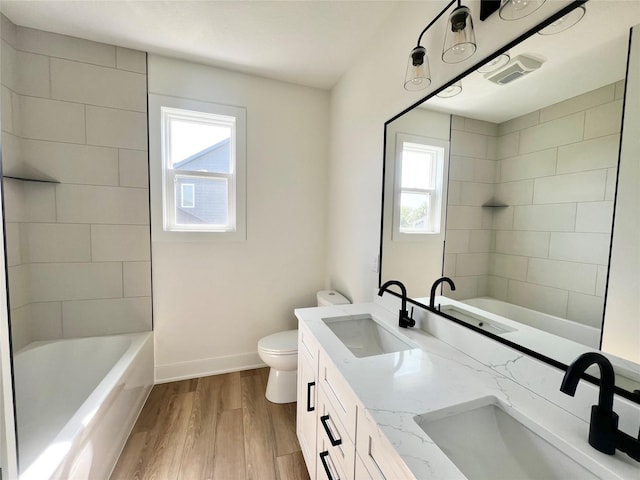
(603, 429)
(405, 320)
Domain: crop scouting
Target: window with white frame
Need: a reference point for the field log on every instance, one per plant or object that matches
(418, 185)
(201, 150)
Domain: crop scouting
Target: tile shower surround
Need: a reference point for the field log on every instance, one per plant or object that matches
(555, 170)
(78, 251)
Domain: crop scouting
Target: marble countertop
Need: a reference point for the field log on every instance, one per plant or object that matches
(395, 387)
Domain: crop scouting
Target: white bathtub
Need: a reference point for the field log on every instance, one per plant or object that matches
(77, 401)
(577, 332)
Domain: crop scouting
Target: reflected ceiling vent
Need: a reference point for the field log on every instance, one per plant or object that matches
(518, 67)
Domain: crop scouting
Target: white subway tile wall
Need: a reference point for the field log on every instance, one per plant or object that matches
(552, 174)
(78, 251)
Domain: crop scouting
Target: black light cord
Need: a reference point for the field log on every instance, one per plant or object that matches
(444, 10)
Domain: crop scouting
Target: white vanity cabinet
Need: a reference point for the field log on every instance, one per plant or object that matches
(306, 408)
(338, 440)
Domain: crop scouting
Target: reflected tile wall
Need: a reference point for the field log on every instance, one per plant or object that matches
(554, 169)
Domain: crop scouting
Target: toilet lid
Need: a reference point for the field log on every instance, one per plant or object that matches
(281, 343)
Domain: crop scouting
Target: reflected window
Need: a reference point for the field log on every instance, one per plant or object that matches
(419, 175)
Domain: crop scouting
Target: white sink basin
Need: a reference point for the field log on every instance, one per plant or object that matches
(363, 336)
(486, 442)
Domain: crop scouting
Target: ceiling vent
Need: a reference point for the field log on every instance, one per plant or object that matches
(518, 67)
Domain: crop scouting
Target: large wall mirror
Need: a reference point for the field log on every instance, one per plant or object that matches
(523, 171)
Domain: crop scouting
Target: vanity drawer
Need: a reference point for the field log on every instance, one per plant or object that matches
(377, 455)
(361, 471)
(328, 468)
(332, 438)
(339, 395)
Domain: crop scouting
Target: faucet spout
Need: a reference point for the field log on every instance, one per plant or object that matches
(434, 287)
(607, 378)
(604, 435)
(404, 320)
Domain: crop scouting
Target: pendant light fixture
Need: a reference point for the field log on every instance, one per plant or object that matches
(418, 74)
(495, 63)
(451, 91)
(460, 44)
(460, 38)
(564, 23)
(516, 9)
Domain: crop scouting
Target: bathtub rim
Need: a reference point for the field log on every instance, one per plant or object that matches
(565, 322)
(51, 460)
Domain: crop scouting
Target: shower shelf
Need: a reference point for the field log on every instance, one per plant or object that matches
(494, 203)
(29, 179)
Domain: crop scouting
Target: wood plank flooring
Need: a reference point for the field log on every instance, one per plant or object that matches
(219, 427)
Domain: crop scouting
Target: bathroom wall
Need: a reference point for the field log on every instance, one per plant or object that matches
(368, 95)
(78, 251)
(621, 333)
(213, 300)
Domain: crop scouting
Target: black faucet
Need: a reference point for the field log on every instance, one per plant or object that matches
(604, 435)
(432, 297)
(404, 320)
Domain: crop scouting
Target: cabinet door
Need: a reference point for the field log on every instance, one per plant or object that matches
(306, 410)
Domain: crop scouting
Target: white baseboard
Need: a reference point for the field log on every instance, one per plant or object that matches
(207, 366)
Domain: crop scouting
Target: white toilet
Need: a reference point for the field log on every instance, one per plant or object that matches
(280, 352)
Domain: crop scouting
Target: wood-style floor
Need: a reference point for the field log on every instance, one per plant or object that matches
(219, 427)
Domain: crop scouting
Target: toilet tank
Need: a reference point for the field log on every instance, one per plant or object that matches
(330, 297)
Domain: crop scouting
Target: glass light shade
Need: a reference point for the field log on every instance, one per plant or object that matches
(564, 23)
(516, 9)
(418, 74)
(460, 39)
(451, 91)
(494, 64)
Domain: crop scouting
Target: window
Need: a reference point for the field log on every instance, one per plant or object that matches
(419, 181)
(198, 159)
(198, 149)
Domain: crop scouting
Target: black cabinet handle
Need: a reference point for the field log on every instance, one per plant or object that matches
(323, 459)
(309, 407)
(334, 442)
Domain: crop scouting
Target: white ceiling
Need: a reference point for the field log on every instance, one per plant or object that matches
(309, 42)
(313, 42)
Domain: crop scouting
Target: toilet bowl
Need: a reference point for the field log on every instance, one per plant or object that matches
(280, 352)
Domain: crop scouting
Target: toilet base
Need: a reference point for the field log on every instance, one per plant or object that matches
(281, 386)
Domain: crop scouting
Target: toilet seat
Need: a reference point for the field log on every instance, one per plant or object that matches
(281, 343)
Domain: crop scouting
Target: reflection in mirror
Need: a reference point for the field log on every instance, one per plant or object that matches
(531, 189)
(405, 241)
